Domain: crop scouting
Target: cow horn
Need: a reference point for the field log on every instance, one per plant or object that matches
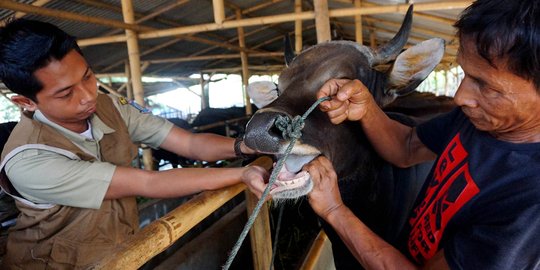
(390, 50)
(289, 52)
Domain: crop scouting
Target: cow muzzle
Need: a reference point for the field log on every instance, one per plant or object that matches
(262, 135)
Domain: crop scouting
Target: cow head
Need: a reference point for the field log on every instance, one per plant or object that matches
(387, 72)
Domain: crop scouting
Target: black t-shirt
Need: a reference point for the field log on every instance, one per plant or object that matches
(481, 203)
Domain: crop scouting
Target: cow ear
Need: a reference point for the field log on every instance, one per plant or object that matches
(413, 66)
(288, 52)
(262, 93)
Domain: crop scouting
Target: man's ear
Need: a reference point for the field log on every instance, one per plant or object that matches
(24, 102)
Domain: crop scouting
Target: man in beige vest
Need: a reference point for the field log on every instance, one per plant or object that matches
(67, 163)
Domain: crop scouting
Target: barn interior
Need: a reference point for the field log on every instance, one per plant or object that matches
(143, 49)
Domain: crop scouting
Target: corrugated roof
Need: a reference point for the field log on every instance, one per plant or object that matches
(268, 38)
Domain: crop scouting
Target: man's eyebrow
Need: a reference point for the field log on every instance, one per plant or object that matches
(69, 86)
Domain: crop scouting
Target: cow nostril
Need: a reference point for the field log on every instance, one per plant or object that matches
(275, 133)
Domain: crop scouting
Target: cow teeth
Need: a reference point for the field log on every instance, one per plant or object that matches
(300, 180)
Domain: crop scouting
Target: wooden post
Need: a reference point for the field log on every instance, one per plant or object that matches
(372, 39)
(129, 89)
(205, 98)
(322, 20)
(244, 60)
(298, 28)
(219, 11)
(135, 70)
(260, 236)
(358, 23)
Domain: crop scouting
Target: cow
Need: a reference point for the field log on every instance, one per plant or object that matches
(222, 121)
(379, 194)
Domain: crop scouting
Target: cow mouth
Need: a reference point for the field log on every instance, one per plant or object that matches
(291, 182)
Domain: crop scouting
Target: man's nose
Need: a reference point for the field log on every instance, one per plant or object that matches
(88, 94)
(464, 95)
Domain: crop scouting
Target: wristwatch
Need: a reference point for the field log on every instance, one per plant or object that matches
(237, 142)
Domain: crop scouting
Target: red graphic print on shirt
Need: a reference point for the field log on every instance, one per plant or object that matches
(450, 189)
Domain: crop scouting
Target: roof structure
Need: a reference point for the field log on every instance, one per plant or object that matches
(177, 38)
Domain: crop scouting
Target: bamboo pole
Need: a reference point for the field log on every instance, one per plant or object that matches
(237, 69)
(358, 24)
(205, 100)
(298, 28)
(401, 8)
(135, 70)
(322, 20)
(305, 15)
(205, 41)
(160, 234)
(20, 14)
(260, 232)
(244, 61)
(68, 15)
(211, 57)
(372, 39)
(219, 11)
(127, 85)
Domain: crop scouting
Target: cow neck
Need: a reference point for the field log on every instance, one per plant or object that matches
(375, 84)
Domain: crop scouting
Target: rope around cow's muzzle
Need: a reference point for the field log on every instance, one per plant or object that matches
(291, 129)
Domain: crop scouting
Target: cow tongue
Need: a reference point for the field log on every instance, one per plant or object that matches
(289, 178)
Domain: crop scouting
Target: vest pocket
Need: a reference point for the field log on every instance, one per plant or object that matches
(75, 254)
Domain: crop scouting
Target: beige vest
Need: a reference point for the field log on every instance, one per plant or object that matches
(63, 237)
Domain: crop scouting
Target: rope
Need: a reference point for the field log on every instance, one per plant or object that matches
(290, 129)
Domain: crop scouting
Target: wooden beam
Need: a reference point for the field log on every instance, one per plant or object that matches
(212, 57)
(400, 8)
(69, 15)
(19, 14)
(306, 15)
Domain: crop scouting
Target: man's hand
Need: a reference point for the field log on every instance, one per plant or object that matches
(254, 177)
(350, 99)
(325, 197)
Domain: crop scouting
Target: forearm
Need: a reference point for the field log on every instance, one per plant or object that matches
(170, 183)
(211, 147)
(390, 138)
(368, 248)
(199, 146)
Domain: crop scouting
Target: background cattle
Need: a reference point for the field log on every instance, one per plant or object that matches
(223, 121)
(378, 193)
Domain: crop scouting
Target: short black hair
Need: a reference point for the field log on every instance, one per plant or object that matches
(507, 30)
(26, 46)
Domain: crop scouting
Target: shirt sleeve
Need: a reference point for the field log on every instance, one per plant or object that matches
(144, 127)
(43, 176)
